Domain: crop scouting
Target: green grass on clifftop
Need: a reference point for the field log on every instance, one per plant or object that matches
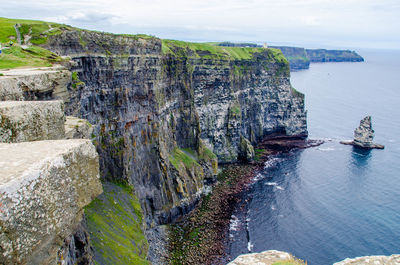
(114, 221)
(207, 50)
(32, 56)
(36, 33)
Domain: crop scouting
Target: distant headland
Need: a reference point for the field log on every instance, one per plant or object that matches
(300, 58)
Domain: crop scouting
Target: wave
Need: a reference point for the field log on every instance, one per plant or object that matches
(250, 246)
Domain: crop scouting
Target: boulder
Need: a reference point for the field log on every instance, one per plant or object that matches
(76, 128)
(35, 84)
(246, 150)
(263, 258)
(23, 121)
(44, 186)
(371, 260)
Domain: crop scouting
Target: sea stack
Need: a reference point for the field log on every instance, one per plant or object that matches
(363, 135)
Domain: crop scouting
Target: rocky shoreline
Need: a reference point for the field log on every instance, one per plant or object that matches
(201, 236)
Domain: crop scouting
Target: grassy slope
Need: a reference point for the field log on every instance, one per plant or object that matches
(114, 222)
(34, 56)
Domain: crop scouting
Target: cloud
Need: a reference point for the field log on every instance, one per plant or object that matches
(298, 21)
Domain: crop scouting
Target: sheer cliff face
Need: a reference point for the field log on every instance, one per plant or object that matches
(155, 114)
(249, 98)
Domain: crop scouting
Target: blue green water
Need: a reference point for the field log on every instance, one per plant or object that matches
(327, 203)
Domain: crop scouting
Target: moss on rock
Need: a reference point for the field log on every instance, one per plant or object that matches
(115, 226)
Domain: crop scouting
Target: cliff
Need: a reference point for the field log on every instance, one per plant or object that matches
(161, 108)
(296, 56)
(162, 113)
(300, 58)
(322, 55)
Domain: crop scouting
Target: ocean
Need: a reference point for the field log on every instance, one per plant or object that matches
(332, 202)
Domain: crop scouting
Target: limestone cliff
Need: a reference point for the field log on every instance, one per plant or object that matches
(300, 58)
(162, 112)
(161, 108)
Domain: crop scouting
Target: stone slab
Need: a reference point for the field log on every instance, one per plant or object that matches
(44, 186)
(35, 84)
(23, 121)
(263, 258)
(372, 260)
(76, 128)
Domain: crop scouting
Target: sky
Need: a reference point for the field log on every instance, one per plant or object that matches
(305, 23)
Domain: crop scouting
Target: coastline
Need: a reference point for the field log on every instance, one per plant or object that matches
(201, 237)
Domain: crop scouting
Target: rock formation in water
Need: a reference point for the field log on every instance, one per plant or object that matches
(363, 135)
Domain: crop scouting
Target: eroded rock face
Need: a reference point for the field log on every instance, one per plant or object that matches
(44, 186)
(23, 121)
(263, 258)
(252, 98)
(146, 107)
(371, 260)
(364, 134)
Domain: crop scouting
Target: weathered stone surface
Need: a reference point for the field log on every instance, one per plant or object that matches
(76, 128)
(76, 248)
(44, 186)
(35, 84)
(23, 121)
(246, 150)
(363, 135)
(371, 260)
(263, 258)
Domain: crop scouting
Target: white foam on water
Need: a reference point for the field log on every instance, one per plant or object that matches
(272, 162)
(271, 183)
(279, 188)
(258, 177)
(273, 208)
(234, 225)
(249, 246)
(326, 149)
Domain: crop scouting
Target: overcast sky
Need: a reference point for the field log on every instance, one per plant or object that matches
(309, 23)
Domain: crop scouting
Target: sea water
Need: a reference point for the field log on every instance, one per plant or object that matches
(330, 202)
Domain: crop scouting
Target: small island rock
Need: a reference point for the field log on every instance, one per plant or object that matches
(363, 135)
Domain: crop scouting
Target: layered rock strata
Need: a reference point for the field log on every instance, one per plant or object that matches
(43, 189)
(160, 111)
